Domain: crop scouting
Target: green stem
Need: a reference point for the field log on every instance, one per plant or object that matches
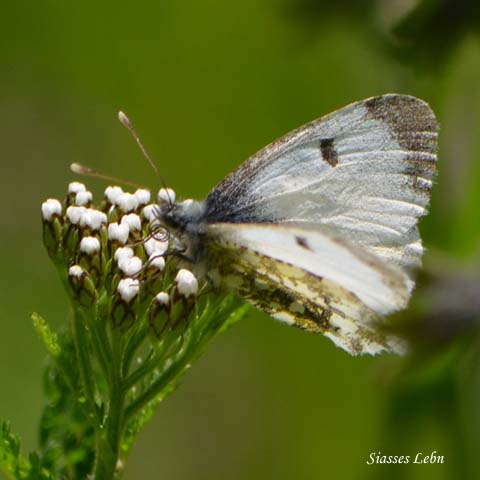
(132, 345)
(86, 372)
(109, 437)
(148, 365)
(108, 441)
(102, 346)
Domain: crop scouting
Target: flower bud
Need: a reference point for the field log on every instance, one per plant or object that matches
(127, 202)
(83, 198)
(118, 232)
(143, 196)
(184, 298)
(75, 187)
(158, 313)
(112, 194)
(166, 195)
(75, 271)
(130, 266)
(155, 247)
(151, 212)
(132, 220)
(50, 208)
(92, 219)
(124, 312)
(187, 284)
(89, 245)
(74, 214)
(82, 285)
(52, 227)
(128, 289)
(90, 258)
(163, 299)
(156, 262)
(122, 253)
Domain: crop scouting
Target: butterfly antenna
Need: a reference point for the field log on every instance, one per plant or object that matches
(80, 169)
(125, 121)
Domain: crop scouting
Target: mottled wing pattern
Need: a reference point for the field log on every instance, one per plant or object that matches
(308, 279)
(363, 172)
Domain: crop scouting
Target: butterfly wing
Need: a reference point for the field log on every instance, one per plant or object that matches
(309, 279)
(320, 227)
(363, 172)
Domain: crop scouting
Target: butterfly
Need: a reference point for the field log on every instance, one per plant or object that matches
(319, 228)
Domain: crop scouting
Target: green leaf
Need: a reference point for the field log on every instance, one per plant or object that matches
(142, 418)
(14, 464)
(48, 337)
(239, 310)
(67, 439)
(11, 461)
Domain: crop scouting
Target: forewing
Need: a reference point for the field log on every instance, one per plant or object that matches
(363, 172)
(309, 279)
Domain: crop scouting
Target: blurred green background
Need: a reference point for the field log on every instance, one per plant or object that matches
(207, 83)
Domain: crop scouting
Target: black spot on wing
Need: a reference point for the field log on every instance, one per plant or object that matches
(302, 242)
(327, 149)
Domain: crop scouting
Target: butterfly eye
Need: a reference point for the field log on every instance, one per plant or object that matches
(169, 215)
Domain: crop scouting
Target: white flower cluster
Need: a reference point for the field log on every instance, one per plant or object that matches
(125, 201)
(86, 217)
(119, 232)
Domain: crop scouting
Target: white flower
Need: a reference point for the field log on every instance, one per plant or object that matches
(143, 196)
(166, 195)
(123, 253)
(74, 214)
(150, 212)
(112, 194)
(89, 245)
(163, 298)
(157, 262)
(127, 202)
(186, 283)
(92, 218)
(155, 247)
(75, 271)
(75, 187)
(118, 232)
(132, 220)
(128, 288)
(50, 208)
(130, 266)
(82, 198)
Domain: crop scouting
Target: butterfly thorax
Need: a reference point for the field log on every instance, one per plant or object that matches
(183, 217)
